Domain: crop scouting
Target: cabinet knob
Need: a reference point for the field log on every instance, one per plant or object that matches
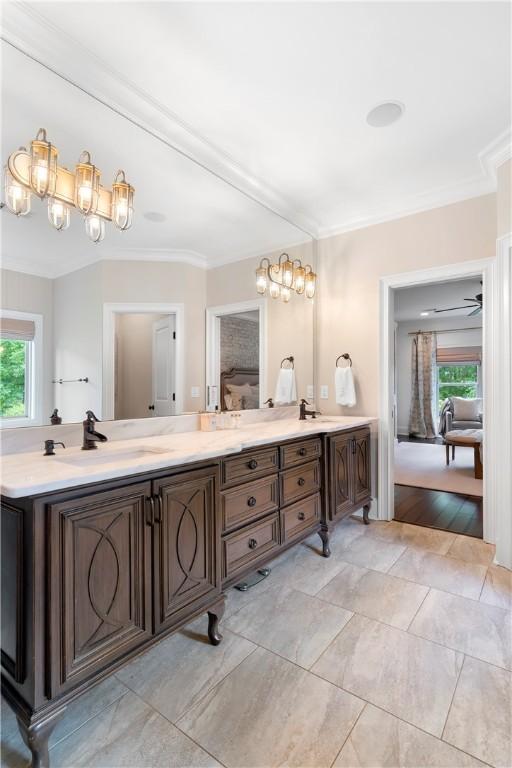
(301, 516)
(251, 501)
(301, 481)
(151, 407)
(302, 451)
(253, 543)
(252, 464)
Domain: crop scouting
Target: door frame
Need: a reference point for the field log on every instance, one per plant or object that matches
(492, 406)
(213, 315)
(110, 310)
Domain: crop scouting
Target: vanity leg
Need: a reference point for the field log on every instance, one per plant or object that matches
(215, 614)
(366, 512)
(324, 535)
(36, 738)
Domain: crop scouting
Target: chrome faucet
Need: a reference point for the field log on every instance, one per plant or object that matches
(303, 412)
(90, 434)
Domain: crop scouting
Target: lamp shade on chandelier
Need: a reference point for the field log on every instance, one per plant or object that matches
(284, 278)
(37, 172)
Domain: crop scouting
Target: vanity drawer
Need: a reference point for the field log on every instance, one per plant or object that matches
(299, 482)
(239, 469)
(249, 501)
(250, 544)
(297, 453)
(300, 516)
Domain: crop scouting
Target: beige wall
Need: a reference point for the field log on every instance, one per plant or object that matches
(30, 293)
(290, 326)
(504, 198)
(350, 266)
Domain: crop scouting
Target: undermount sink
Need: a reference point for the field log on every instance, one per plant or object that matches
(110, 457)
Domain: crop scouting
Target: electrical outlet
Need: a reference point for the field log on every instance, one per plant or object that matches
(310, 391)
(195, 392)
(324, 392)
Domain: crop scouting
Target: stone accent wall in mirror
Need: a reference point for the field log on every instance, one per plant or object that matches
(159, 320)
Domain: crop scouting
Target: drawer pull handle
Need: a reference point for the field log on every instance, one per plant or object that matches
(252, 464)
(251, 501)
(301, 481)
(301, 516)
(302, 451)
(253, 543)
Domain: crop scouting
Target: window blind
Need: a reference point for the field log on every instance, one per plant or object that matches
(18, 330)
(458, 355)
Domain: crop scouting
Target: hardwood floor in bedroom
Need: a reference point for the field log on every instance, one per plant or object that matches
(446, 511)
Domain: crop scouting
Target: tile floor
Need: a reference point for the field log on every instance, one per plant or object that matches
(396, 652)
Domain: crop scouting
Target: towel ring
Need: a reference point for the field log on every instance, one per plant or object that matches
(345, 356)
(288, 359)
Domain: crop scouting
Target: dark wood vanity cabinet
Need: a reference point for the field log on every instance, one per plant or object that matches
(92, 576)
(99, 588)
(186, 563)
(347, 474)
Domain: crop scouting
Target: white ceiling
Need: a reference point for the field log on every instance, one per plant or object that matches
(410, 302)
(273, 97)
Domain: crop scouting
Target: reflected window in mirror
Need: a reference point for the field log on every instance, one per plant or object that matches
(20, 368)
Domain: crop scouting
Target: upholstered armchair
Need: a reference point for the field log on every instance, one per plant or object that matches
(464, 414)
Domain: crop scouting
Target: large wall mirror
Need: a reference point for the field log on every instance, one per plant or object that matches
(162, 319)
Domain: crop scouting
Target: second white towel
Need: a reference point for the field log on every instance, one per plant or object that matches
(286, 389)
(344, 385)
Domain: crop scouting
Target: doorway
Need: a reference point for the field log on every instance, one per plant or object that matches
(142, 360)
(236, 354)
(389, 415)
(439, 425)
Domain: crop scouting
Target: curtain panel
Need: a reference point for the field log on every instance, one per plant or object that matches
(423, 385)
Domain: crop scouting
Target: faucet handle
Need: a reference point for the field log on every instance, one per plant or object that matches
(304, 402)
(91, 417)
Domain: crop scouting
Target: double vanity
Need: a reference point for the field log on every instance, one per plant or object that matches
(104, 552)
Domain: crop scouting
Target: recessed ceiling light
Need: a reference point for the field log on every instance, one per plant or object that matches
(424, 314)
(385, 114)
(155, 216)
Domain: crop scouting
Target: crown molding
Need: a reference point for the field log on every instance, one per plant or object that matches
(33, 34)
(169, 255)
(496, 153)
(475, 187)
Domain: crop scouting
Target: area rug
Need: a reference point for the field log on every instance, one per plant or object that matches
(423, 465)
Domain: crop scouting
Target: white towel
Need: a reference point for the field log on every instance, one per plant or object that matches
(344, 386)
(286, 389)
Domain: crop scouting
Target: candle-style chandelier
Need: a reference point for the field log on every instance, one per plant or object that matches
(36, 172)
(284, 277)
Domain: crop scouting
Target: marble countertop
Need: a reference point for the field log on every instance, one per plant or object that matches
(27, 474)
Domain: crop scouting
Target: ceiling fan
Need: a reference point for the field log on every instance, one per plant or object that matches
(476, 305)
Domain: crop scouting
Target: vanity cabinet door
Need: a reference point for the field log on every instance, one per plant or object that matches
(186, 545)
(340, 480)
(361, 465)
(100, 581)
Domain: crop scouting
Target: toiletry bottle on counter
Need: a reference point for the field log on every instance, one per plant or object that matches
(208, 422)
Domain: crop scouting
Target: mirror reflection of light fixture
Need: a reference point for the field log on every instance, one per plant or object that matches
(58, 214)
(43, 165)
(95, 227)
(17, 197)
(299, 279)
(261, 279)
(285, 276)
(122, 202)
(87, 184)
(287, 272)
(310, 280)
(285, 293)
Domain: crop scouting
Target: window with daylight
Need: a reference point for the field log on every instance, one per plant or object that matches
(457, 380)
(19, 369)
